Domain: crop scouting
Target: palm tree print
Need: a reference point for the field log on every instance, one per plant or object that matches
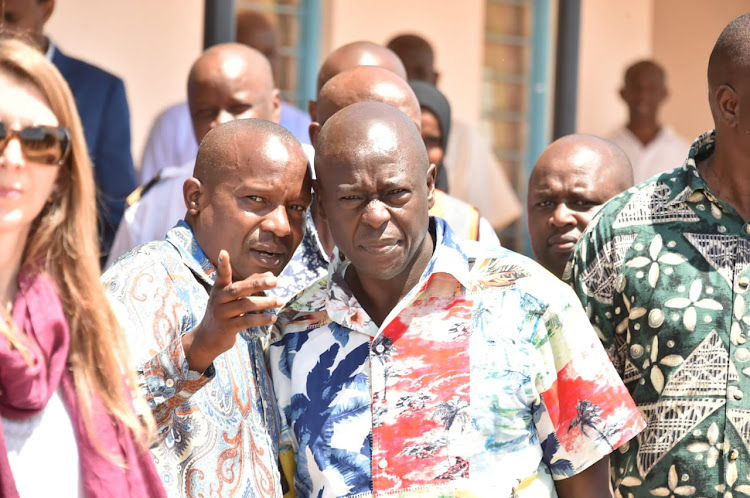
(589, 415)
(451, 412)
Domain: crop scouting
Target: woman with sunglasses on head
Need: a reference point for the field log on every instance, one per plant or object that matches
(69, 422)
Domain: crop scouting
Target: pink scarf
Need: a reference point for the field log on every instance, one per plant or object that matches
(24, 392)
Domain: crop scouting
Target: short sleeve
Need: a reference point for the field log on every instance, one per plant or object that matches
(585, 412)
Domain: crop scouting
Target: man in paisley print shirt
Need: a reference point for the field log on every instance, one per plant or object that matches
(424, 366)
(664, 271)
(193, 311)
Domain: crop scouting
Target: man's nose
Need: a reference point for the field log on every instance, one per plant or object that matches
(562, 215)
(277, 222)
(375, 214)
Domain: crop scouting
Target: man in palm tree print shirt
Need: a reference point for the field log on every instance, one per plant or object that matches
(425, 366)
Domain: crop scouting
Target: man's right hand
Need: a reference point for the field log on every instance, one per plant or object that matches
(232, 307)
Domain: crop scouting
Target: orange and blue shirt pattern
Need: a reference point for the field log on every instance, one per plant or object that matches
(216, 431)
(485, 380)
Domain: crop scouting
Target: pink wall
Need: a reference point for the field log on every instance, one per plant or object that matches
(456, 30)
(149, 44)
(613, 35)
(677, 33)
(684, 35)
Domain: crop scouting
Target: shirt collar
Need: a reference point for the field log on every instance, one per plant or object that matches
(690, 179)
(448, 258)
(183, 239)
(50, 50)
(311, 237)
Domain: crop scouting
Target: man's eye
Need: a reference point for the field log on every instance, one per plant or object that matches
(236, 110)
(584, 203)
(545, 204)
(297, 207)
(254, 198)
(206, 113)
(349, 198)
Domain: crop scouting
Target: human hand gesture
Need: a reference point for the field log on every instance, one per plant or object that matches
(232, 307)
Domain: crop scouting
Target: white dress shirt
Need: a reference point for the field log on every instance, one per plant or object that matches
(665, 152)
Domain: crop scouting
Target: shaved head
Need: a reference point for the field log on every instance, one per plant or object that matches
(572, 178)
(645, 67)
(729, 78)
(375, 187)
(256, 30)
(217, 153)
(417, 55)
(359, 53)
(248, 195)
(730, 56)
(230, 81)
(367, 84)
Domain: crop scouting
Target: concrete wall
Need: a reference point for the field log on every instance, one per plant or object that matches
(613, 34)
(684, 34)
(679, 34)
(456, 30)
(149, 44)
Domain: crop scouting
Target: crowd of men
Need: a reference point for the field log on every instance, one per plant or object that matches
(319, 304)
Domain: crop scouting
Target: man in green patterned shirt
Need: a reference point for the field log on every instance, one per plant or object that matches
(663, 271)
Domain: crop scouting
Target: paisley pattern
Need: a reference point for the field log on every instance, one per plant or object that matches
(485, 380)
(217, 430)
(663, 271)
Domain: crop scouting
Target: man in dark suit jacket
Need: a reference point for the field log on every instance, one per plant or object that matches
(100, 98)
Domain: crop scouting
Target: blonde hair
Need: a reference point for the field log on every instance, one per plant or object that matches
(63, 242)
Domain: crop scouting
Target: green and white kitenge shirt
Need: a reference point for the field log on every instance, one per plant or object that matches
(663, 272)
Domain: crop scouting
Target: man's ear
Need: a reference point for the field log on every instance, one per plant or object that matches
(314, 130)
(312, 108)
(276, 106)
(727, 105)
(193, 195)
(435, 78)
(47, 6)
(317, 199)
(622, 94)
(431, 175)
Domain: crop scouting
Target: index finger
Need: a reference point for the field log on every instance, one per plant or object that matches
(223, 271)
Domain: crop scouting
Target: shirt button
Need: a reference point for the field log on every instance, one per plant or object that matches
(744, 283)
(737, 394)
(383, 463)
(734, 455)
(170, 382)
(379, 348)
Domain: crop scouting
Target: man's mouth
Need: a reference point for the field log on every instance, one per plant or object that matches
(269, 257)
(562, 243)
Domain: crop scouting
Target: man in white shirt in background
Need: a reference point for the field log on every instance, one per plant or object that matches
(651, 146)
(229, 81)
(171, 141)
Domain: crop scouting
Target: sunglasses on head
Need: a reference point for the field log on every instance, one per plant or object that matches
(48, 145)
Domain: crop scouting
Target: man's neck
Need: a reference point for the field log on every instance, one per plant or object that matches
(645, 130)
(726, 174)
(379, 297)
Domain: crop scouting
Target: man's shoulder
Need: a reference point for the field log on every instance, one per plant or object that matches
(656, 198)
(499, 269)
(306, 310)
(153, 258)
(72, 66)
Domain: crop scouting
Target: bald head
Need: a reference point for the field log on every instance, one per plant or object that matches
(248, 195)
(230, 81)
(644, 90)
(729, 72)
(375, 187)
(217, 155)
(572, 178)
(256, 30)
(417, 55)
(360, 53)
(367, 84)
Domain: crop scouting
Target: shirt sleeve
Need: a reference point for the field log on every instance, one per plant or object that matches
(584, 411)
(277, 358)
(149, 309)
